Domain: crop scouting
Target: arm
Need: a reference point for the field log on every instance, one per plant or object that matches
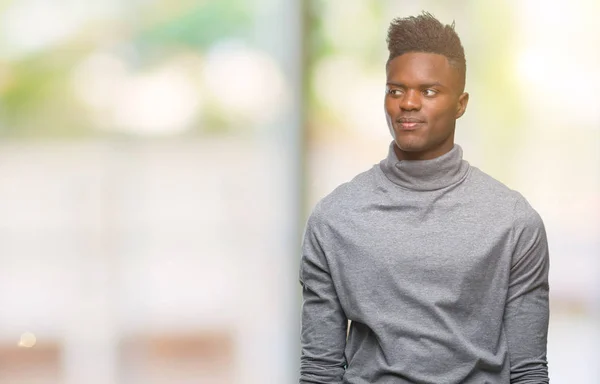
(324, 324)
(527, 311)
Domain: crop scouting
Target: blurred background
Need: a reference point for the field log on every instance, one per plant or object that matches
(158, 160)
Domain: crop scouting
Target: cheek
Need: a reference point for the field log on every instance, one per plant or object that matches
(441, 115)
(389, 106)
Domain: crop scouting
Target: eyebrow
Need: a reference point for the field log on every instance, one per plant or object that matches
(422, 86)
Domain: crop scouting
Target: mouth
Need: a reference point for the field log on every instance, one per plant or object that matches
(409, 124)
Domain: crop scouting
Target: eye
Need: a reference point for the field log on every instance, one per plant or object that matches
(394, 91)
(430, 92)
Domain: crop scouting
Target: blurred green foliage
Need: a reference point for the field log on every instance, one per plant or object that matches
(198, 26)
(36, 98)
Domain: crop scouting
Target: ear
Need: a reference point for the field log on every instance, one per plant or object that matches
(461, 106)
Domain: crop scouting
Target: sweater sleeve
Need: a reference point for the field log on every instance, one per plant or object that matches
(324, 323)
(527, 311)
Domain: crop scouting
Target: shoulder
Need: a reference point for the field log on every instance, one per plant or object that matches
(491, 187)
(507, 201)
(345, 198)
(496, 192)
(524, 218)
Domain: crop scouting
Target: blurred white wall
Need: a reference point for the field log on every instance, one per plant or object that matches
(102, 243)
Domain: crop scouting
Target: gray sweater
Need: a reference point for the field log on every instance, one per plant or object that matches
(442, 270)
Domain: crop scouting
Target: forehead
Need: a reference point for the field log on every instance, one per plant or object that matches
(416, 68)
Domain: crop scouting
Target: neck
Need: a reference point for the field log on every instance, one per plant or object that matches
(425, 174)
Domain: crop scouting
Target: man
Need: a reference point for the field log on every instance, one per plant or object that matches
(442, 270)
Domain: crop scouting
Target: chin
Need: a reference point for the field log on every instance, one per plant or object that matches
(409, 145)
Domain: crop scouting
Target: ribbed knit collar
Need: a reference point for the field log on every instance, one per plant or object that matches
(426, 175)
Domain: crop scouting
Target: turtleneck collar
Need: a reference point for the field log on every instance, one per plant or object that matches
(426, 175)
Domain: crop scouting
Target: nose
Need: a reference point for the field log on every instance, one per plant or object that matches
(411, 101)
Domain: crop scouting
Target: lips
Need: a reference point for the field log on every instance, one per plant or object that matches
(409, 123)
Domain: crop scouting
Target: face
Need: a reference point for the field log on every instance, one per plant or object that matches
(422, 102)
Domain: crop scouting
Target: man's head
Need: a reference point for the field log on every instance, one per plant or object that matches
(425, 86)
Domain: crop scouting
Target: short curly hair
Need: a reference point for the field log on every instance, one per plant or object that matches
(425, 33)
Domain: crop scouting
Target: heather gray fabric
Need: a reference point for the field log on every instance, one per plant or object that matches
(442, 270)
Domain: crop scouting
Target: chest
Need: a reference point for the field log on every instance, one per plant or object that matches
(447, 259)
